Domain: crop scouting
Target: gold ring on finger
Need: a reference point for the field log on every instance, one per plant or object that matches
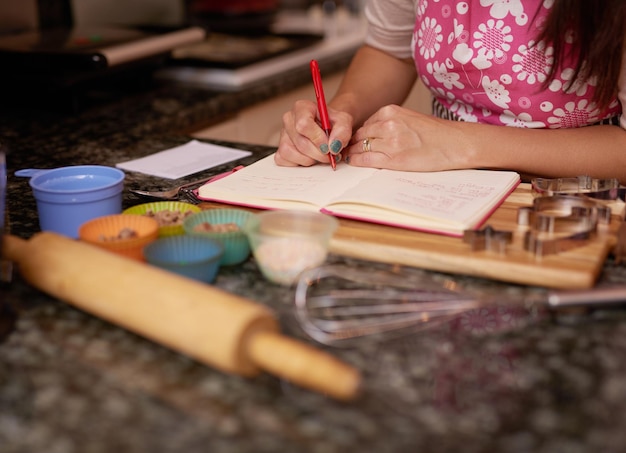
(367, 145)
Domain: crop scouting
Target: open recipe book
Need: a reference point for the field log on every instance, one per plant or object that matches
(444, 202)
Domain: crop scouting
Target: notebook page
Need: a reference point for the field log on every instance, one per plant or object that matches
(453, 199)
(265, 184)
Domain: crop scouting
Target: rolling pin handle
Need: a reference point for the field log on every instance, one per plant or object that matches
(304, 365)
(11, 246)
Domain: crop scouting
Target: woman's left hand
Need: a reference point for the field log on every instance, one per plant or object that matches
(397, 138)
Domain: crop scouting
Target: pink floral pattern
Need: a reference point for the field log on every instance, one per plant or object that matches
(483, 64)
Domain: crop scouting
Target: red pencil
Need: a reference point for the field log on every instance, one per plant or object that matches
(321, 106)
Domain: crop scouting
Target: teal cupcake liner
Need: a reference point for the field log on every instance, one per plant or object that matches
(236, 244)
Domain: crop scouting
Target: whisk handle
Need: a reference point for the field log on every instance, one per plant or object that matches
(586, 298)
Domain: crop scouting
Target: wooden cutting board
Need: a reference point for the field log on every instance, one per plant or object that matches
(577, 268)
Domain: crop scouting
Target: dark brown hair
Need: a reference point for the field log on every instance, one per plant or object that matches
(598, 28)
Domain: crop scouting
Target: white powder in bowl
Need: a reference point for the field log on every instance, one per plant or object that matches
(281, 260)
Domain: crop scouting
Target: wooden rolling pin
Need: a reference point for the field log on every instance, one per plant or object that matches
(214, 327)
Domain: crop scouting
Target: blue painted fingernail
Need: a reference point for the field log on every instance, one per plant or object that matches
(324, 148)
(347, 159)
(335, 146)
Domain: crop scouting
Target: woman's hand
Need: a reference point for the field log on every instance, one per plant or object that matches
(402, 139)
(304, 143)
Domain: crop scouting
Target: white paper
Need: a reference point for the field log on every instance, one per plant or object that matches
(184, 160)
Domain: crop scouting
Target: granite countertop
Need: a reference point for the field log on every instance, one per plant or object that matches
(69, 382)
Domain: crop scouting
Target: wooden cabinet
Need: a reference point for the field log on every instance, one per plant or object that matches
(261, 123)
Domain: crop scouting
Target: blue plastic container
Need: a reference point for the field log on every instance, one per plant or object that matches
(194, 257)
(67, 197)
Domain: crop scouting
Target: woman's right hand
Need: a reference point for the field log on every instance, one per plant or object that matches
(304, 143)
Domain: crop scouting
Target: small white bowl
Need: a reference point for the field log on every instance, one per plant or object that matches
(285, 243)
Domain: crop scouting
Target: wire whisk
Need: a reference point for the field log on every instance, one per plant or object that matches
(371, 303)
(334, 304)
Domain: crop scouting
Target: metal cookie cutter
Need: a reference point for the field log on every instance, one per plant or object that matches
(488, 239)
(597, 189)
(561, 222)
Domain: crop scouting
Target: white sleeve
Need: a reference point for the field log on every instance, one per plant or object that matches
(390, 26)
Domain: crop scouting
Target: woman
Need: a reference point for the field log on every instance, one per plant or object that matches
(545, 69)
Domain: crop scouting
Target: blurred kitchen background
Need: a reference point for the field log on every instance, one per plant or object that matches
(242, 16)
(247, 43)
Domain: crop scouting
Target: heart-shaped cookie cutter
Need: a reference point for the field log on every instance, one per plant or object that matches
(558, 223)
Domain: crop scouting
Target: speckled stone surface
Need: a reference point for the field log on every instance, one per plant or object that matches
(71, 383)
